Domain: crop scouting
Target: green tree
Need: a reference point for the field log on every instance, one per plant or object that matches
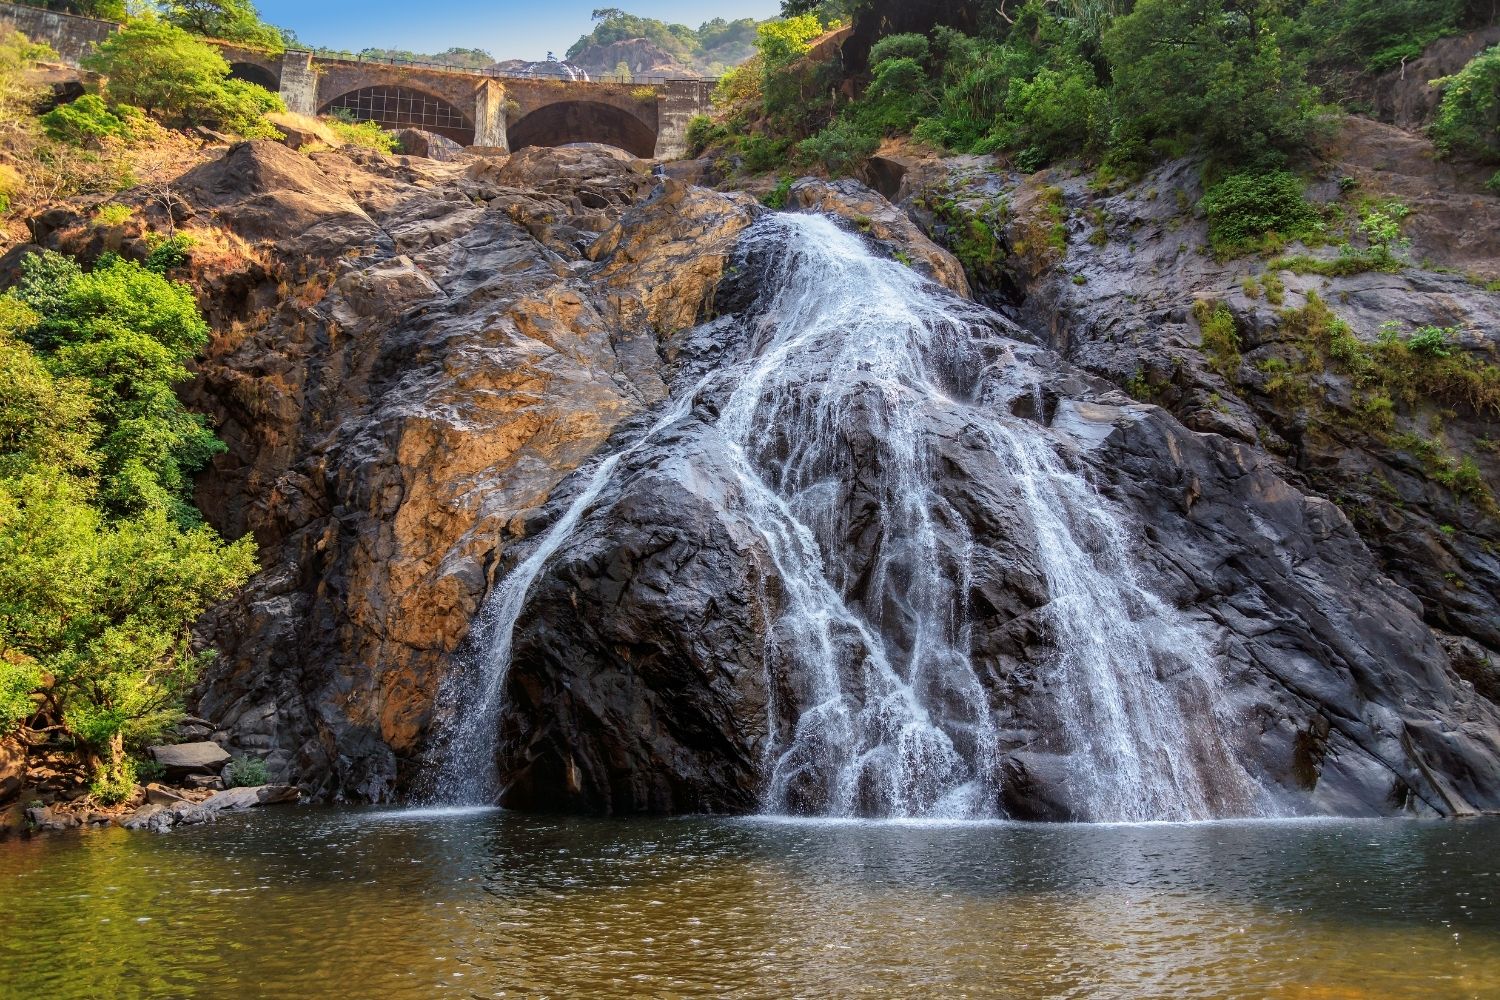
(103, 608)
(1210, 73)
(166, 71)
(229, 20)
(103, 563)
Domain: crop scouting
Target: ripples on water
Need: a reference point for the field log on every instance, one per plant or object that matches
(475, 902)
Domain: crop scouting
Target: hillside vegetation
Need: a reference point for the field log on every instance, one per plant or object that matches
(1249, 83)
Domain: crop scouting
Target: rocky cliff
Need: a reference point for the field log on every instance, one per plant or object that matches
(413, 361)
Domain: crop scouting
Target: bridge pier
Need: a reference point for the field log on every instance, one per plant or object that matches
(678, 102)
(299, 82)
(490, 117)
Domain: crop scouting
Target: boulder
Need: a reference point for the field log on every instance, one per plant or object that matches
(303, 130)
(161, 795)
(418, 142)
(154, 816)
(182, 759)
(12, 768)
(49, 819)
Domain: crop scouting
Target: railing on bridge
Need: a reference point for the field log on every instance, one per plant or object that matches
(501, 74)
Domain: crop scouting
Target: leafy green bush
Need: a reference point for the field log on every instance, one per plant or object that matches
(841, 148)
(168, 252)
(365, 134)
(114, 783)
(17, 680)
(113, 214)
(763, 152)
(126, 334)
(247, 772)
(1244, 208)
(1431, 341)
(1468, 120)
(104, 563)
(83, 121)
(906, 46)
(703, 132)
(1221, 337)
(777, 197)
(241, 107)
(1057, 113)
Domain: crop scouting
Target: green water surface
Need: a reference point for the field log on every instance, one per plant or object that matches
(321, 902)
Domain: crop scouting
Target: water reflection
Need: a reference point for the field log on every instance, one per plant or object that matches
(302, 903)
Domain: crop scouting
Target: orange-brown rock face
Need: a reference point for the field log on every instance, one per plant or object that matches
(446, 343)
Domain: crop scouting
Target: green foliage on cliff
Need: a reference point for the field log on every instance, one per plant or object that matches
(1373, 35)
(1400, 379)
(86, 120)
(104, 562)
(126, 334)
(1239, 81)
(1245, 209)
(1211, 73)
(1468, 120)
(181, 81)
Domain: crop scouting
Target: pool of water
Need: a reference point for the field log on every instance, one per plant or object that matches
(304, 902)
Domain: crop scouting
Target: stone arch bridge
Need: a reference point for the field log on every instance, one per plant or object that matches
(476, 109)
(472, 108)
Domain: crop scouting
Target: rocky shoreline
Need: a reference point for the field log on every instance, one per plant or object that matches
(197, 783)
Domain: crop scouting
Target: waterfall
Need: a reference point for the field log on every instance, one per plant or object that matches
(877, 707)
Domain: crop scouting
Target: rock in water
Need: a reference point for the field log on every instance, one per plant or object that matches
(12, 768)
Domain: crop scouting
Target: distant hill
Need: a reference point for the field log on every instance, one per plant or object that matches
(458, 58)
(643, 46)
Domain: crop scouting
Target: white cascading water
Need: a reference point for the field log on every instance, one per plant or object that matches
(825, 431)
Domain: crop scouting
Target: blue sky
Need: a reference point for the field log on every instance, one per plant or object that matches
(509, 29)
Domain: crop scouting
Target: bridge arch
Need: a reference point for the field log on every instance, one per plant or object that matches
(564, 122)
(397, 107)
(255, 73)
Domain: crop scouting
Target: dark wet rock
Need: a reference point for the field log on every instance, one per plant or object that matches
(155, 817)
(1405, 95)
(1118, 301)
(47, 819)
